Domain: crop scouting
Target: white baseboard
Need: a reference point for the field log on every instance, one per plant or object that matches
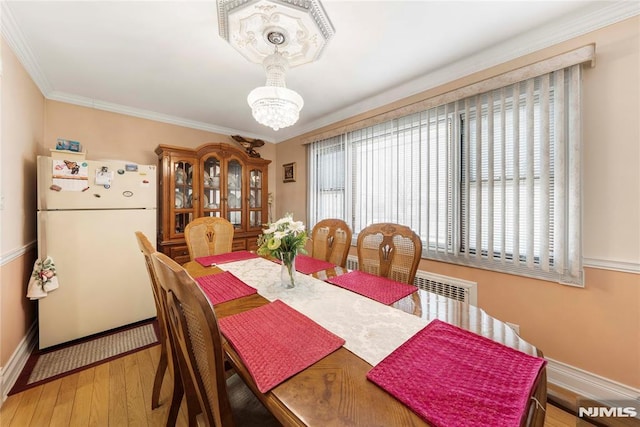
(9, 374)
(587, 384)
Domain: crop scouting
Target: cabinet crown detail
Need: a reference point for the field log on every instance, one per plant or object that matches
(214, 179)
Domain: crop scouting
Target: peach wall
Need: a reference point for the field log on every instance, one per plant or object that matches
(292, 196)
(612, 140)
(22, 118)
(21, 133)
(595, 328)
(17, 312)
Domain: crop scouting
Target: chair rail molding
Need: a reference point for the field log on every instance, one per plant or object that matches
(609, 264)
(17, 252)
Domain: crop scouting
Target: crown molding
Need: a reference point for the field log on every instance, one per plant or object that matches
(145, 114)
(17, 42)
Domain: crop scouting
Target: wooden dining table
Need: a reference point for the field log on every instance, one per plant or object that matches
(335, 390)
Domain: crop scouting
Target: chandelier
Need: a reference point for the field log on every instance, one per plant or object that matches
(279, 34)
(273, 104)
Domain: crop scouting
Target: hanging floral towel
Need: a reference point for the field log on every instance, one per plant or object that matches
(43, 279)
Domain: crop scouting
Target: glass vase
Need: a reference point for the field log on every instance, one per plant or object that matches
(288, 269)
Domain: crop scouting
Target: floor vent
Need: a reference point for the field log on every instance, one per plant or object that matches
(451, 287)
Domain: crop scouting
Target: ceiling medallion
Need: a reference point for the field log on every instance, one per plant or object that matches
(279, 34)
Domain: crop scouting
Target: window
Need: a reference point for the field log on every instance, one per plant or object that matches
(489, 180)
(327, 179)
(512, 166)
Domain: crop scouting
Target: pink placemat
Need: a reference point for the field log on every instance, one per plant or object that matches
(452, 377)
(228, 257)
(276, 342)
(378, 288)
(307, 265)
(224, 287)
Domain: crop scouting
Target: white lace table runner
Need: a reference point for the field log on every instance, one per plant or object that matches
(371, 330)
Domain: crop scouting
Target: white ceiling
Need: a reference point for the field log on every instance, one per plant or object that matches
(164, 60)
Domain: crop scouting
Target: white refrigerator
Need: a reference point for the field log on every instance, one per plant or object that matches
(88, 212)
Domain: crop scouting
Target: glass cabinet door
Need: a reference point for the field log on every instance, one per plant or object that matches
(212, 194)
(234, 193)
(212, 180)
(255, 198)
(183, 195)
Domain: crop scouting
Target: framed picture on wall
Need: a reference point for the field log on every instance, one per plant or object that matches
(289, 172)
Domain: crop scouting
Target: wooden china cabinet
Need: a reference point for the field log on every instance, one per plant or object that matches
(214, 179)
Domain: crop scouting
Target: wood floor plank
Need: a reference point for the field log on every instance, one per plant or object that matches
(147, 371)
(154, 354)
(82, 402)
(135, 399)
(166, 392)
(558, 418)
(26, 407)
(61, 415)
(147, 375)
(48, 398)
(9, 408)
(117, 394)
(99, 414)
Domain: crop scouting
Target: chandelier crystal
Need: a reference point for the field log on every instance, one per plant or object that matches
(275, 105)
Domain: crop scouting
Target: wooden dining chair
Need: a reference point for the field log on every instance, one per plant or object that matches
(147, 249)
(389, 250)
(208, 235)
(166, 348)
(331, 240)
(198, 343)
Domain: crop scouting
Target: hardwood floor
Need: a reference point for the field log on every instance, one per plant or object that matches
(118, 393)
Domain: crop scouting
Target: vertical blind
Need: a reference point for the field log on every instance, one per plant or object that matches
(490, 180)
(520, 163)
